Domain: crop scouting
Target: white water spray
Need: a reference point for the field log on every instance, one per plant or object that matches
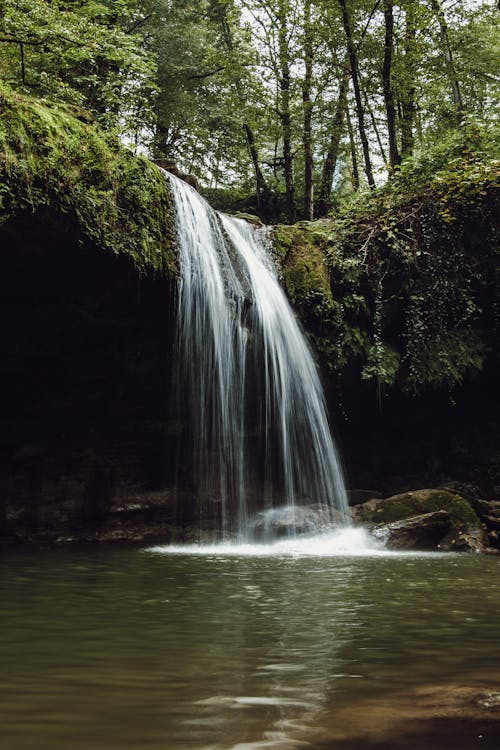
(258, 436)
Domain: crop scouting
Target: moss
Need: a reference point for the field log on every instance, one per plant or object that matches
(303, 263)
(410, 504)
(330, 306)
(53, 158)
(251, 218)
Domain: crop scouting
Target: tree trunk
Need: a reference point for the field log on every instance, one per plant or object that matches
(394, 158)
(323, 203)
(353, 59)
(23, 65)
(408, 88)
(286, 120)
(375, 127)
(448, 58)
(354, 156)
(262, 191)
(308, 107)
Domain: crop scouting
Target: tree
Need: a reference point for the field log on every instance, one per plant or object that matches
(407, 79)
(307, 137)
(220, 12)
(353, 59)
(273, 97)
(337, 129)
(448, 56)
(389, 98)
(284, 62)
(85, 53)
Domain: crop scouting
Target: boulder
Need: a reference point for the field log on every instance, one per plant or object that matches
(489, 515)
(251, 218)
(425, 519)
(290, 520)
(467, 490)
(169, 165)
(422, 532)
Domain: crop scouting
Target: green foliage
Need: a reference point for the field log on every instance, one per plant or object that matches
(414, 276)
(382, 364)
(52, 159)
(229, 200)
(85, 53)
(205, 88)
(185, 79)
(447, 358)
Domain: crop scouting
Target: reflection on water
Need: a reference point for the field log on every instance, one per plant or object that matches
(117, 648)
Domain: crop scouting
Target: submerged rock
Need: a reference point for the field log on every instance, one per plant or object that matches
(434, 717)
(291, 520)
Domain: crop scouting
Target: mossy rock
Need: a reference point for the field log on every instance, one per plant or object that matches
(251, 218)
(415, 503)
(465, 534)
(305, 273)
(54, 160)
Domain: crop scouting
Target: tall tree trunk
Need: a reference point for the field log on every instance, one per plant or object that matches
(23, 64)
(263, 193)
(375, 127)
(408, 87)
(308, 107)
(286, 120)
(448, 58)
(353, 59)
(323, 203)
(354, 156)
(390, 109)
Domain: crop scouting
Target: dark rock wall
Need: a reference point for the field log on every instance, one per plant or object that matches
(399, 442)
(86, 349)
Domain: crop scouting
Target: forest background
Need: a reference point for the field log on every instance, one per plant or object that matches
(286, 108)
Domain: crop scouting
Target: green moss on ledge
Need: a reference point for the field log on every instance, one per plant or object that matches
(330, 310)
(54, 158)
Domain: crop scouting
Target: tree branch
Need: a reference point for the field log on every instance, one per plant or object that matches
(199, 76)
(139, 23)
(14, 40)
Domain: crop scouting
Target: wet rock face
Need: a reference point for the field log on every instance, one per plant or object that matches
(85, 344)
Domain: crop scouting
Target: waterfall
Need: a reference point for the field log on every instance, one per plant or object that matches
(256, 450)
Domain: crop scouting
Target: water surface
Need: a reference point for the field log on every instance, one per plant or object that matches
(112, 648)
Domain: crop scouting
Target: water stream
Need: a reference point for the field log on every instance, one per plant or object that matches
(256, 437)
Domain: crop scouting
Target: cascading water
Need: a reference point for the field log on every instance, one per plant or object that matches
(257, 454)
